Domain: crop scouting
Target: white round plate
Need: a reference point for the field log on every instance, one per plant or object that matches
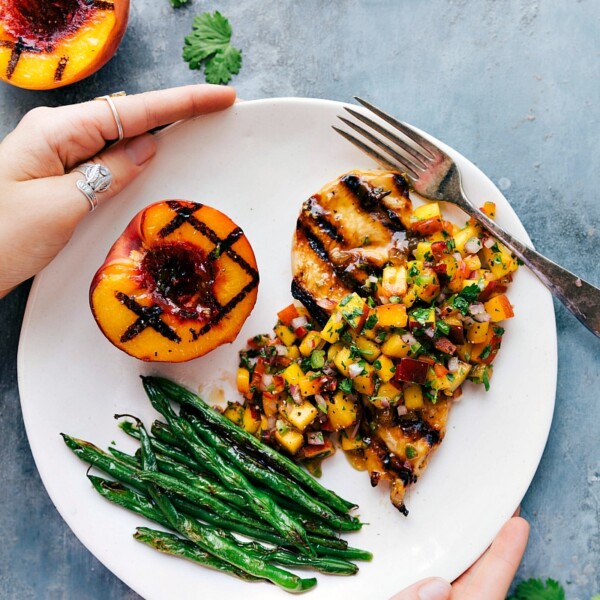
(257, 162)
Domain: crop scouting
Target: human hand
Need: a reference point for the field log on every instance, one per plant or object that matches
(40, 204)
(488, 579)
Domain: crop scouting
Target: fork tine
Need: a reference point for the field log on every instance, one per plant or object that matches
(409, 132)
(418, 158)
(374, 154)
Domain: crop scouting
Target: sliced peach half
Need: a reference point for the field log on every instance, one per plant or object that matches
(180, 281)
(46, 44)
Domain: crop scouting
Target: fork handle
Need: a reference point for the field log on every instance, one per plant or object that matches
(578, 296)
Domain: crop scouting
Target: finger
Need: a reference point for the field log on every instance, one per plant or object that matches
(428, 589)
(491, 576)
(140, 113)
(50, 141)
(60, 195)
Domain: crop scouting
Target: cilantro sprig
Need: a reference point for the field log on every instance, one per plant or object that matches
(209, 46)
(535, 589)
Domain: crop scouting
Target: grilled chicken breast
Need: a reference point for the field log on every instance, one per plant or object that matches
(345, 234)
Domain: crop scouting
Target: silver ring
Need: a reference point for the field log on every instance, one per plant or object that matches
(113, 109)
(98, 179)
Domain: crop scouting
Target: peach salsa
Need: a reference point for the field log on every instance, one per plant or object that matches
(380, 374)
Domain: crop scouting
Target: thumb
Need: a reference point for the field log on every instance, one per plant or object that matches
(427, 589)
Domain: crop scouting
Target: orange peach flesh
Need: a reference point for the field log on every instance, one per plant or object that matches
(44, 47)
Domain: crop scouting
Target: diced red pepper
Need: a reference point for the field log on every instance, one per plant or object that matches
(438, 249)
(288, 314)
(440, 370)
(427, 226)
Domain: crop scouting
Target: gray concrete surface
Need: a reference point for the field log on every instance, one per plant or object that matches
(512, 84)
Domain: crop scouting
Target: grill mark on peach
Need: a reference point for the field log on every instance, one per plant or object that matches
(60, 68)
(101, 5)
(185, 214)
(226, 244)
(18, 48)
(225, 310)
(148, 316)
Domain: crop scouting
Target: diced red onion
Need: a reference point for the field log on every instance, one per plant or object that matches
(430, 332)
(453, 364)
(402, 410)
(354, 429)
(354, 370)
(267, 380)
(473, 245)
(409, 339)
(252, 361)
(315, 438)
(483, 317)
(298, 322)
(321, 402)
(384, 402)
(476, 308)
(458, 256)
(281, 350)
(328, 370)
(271, 421)
(295, 393)
(489, 242)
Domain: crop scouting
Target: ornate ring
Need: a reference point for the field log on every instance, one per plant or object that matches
(113, 109)
(97, 179)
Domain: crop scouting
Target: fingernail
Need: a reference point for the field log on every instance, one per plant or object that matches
(141, 149)
(436, 589)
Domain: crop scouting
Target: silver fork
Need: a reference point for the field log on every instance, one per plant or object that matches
(435, 176)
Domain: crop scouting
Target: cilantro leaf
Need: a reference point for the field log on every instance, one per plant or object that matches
(534, 589)
(470, 292)
(178, 3)
(209, 45)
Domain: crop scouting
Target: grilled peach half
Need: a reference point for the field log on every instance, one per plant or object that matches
(180, 281)
(47, 44)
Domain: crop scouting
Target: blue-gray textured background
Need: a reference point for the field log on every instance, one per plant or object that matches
(513, 85)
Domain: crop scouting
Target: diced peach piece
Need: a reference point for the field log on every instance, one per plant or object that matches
(413, 396)
(299, 415)
(311, 342)
(499, 308)
(333, 328)
(309, 386)
(293, 374)
(477, 332)
(395, 347)
(342, 411)
(354, 310)
(412, 370)
(285, 334)
(489, 209)
(385, 368)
